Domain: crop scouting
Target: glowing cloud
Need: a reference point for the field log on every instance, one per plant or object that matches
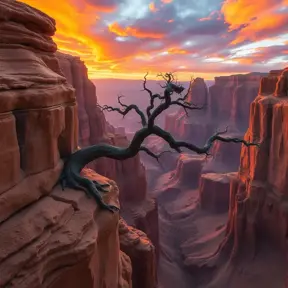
(152, 7)
(133, 31)
(255, 19)
(125, 39)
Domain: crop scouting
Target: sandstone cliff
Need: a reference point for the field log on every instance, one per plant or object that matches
(48, 237)
(257, 226)
(93, 129)
(226, 104)
(193, 125)
(130, 175)
(251, 251)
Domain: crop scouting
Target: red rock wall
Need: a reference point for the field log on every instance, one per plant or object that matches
(258, 195)
(184, 127)
(230, 98)
(49, 237)
(93, 129)
(139, 210)
(227, 103)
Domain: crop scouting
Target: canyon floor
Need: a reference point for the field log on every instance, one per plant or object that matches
(190, 235)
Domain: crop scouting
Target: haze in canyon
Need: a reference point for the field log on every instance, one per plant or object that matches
(202, 203)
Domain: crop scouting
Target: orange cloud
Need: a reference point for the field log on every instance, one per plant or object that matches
(236, 13)
(82, 31)
(152, 7)
(256, 19)
(117, 29)
(133, 31)
(177, 51)
(70, 32)
(75, 36)
(260, 28)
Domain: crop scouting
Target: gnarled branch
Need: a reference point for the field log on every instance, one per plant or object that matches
(127, 109)
(177, 145)
(151, 95)
(71, 177)
(153, 155)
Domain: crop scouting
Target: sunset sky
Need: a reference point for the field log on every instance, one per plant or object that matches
(206, 38)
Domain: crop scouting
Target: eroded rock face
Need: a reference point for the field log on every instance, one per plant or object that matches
(184, 126)
(38, 111)
(129, 174)
(48, 237)
(258, 213)
(230, 98)
(225, 105)
(188, 169)
(93, 129)
(60, 231)
(214, 192)
(141, 251)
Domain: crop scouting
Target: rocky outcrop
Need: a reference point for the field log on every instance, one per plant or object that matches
(92, 123)
(38, 110)
(93, 128)
(191, 125)
(141, 251)
(58, 242)
(224, 156)
(263, 171)
(257, 226)
(48, 237)
(188, 169)
(226, 104)
(214, 191)
(230, 98)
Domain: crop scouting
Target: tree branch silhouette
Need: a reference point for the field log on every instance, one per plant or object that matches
(71, 177)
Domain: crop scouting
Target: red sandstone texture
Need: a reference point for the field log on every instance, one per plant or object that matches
(93, 128)
(226, 105)
(141, 251)
(188, 233)
(251, 251)
(214, 192)
(49, 237)
(257, 225)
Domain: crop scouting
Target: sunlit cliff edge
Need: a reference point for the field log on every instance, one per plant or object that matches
(256, 233)
(50, 237)
(193, 196)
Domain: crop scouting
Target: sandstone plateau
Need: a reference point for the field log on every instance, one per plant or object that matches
(49, 237)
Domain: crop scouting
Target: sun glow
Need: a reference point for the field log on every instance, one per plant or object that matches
(117, 42)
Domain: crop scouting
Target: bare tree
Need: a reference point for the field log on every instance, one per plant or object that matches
(71, 177)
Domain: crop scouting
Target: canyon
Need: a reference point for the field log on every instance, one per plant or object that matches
(188, 221)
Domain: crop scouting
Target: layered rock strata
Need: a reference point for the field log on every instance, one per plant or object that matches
(138, 209)
(257, 225)
(48, 237)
